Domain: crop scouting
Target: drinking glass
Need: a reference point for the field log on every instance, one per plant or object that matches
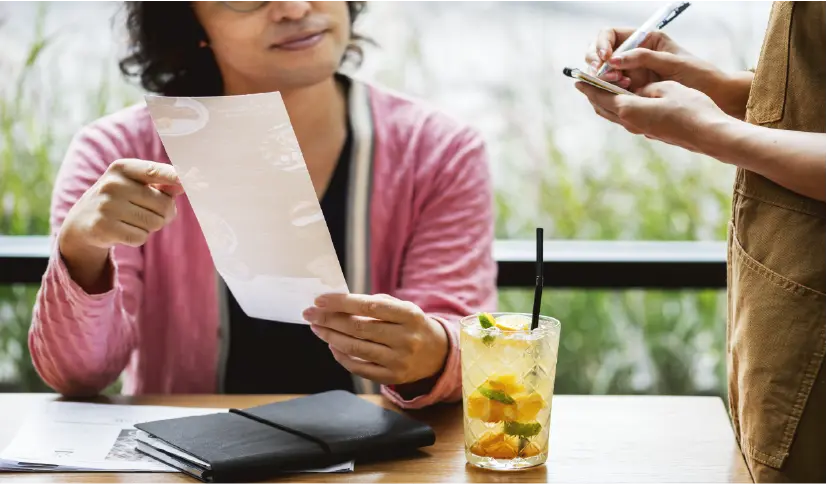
(507, 386)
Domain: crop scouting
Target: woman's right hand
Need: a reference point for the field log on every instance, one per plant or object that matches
(659, 58)
(132, 199)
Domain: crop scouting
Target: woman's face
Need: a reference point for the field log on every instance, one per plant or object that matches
(275, 45)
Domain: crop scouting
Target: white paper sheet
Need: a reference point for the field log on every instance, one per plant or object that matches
(88, 437)
(243, 172)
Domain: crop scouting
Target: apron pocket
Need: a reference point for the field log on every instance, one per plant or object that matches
(768, 93)
(777, 345)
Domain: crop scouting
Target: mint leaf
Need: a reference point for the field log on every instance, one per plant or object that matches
(524, 430)
(487, 322)
(496, 395)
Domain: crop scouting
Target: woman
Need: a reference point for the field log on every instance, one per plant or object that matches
(404, 190)
(770, 125)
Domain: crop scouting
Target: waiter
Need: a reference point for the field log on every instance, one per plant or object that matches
(770, 124)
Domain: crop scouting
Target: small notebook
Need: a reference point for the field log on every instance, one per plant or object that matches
(313, 432)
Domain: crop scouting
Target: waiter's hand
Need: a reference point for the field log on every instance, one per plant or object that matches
(665, 111)
(379, 337)
(659, 58)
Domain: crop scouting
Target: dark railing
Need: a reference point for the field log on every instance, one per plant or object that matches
(568, 264)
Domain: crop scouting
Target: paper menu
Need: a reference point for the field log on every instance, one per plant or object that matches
(72, 436)
(243, 172)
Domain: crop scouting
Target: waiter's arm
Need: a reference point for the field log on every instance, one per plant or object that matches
(678, 115)
(792, 159)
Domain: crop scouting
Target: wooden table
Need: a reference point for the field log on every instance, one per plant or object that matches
(593, 439)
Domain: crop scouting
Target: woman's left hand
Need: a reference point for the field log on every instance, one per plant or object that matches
(664, 111)
(379, 337)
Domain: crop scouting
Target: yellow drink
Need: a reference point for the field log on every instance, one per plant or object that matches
(507, 385)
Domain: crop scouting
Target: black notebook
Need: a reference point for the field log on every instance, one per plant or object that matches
(256, 443)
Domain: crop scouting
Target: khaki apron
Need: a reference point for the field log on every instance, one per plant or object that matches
(776, 323)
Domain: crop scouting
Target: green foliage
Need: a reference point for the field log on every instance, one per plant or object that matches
(15, 313)
(26, 174)
(26, 170)
(663, 342)
(30, 148)
(654, 342)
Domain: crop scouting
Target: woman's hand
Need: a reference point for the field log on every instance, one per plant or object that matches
(132, 199)
(379, 337)
(659, 58)
(664, 111)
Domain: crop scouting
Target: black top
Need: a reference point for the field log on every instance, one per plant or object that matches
(272, 357)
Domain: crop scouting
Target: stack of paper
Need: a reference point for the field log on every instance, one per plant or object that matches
(87, 437)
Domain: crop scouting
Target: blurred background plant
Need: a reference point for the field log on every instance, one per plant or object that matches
(26, 173)
(33, 140)
(490, 64)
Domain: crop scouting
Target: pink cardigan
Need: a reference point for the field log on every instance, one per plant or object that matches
(423, 227)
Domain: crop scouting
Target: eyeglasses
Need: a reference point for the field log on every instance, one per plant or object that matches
(252, 5)
(243, 5)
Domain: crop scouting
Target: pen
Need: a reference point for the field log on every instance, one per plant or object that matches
(656, 22)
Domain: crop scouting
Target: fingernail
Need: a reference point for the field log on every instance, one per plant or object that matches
(321, 301)
(602, 53)
(309, 314)
(616, 61)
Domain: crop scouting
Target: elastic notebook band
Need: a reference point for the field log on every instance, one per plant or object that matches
(309, 437)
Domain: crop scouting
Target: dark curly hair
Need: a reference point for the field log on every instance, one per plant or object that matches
(165, 55)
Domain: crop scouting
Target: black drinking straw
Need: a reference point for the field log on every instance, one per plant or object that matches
(538, 288)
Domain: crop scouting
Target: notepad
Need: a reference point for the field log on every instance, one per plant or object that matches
(318, 431)
(244, 174)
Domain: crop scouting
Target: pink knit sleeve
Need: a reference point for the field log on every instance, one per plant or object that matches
(80, 343)
(449, 270)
